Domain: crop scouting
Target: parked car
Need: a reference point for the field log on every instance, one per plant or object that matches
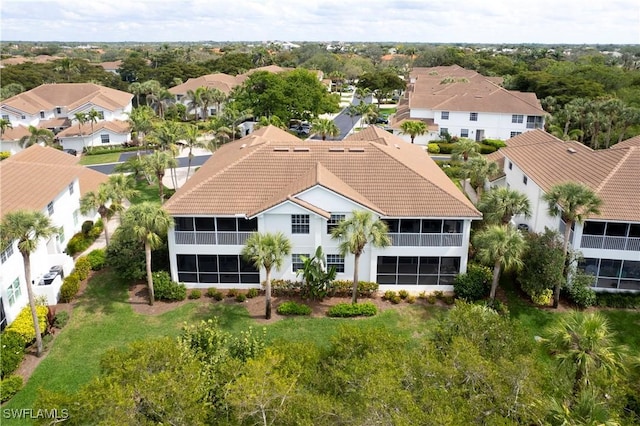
(71, 152)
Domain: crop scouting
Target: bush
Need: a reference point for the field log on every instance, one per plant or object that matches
(70, 287)
(23, 324)
(343, 310)
(97, 229)
(293, 308)
(78, 243)
(618, 300)
(83, 267)
(431, 299)
(86, 226)
(498, 306)
(11, 352)
(438, 294)
(61, 319)
(253, 292)
(543, 298)
(4, 155)
(403, 294)
(474, 284)
(215, 294)
(449, 300)
(165, 289)
(410, 299)
(388, 295)
(496, 143)
(395, 299)
(433, 148)
(344, 288)
(195, 294)
(285, 287)
(241, 297)
(9, 387)
(579, 290)
(445, 148)
(96, 259)
(232, 292)
(487, 149)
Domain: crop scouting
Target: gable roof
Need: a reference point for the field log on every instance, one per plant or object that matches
(634, 141)
(372, 168)
(223, 82)
(115, 126)
(33, 177)
(70, 95)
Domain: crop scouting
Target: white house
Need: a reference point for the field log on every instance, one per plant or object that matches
(102, 133)
(610, 242)
(50, 181)
(464, 103)
(271, 181)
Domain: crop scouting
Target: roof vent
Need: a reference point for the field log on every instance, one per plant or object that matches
(356, 149)
(280, 149)
(336, 149)
(244, 145)
(571, 150)
(301, 149)
(396, 145)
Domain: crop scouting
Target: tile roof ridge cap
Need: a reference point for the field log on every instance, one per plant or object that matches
(614, 170)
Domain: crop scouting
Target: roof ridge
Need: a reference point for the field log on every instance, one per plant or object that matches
(615, 169)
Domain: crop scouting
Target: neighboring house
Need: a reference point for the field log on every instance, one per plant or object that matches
(609, 242)
(464, 103)
(271, 181)
(47, 180)
(105, 133)
(223, 82)
(111, 67)
(10, 141)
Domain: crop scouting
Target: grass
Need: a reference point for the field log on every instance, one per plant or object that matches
(147, 192)
(109, 157)
(388, 111)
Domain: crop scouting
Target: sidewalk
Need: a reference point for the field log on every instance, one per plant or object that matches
(101, 242)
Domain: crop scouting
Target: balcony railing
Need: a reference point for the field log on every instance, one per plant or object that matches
(426, 240)
(211, 238)
(610, 243)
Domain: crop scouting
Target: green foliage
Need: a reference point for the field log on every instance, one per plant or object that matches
(23, 324)
(215, 294)
(344, 310)
(293, 308)
(433, 148)
(70, 287)
(232, 292)
(97, 259)
(438, 294)
(82, 267)
(195, 294)
(411, 299)
(165, 289)
(431, 299)
(343, 288)
(86, 226)
(78, 243)
(496, 143)
(285, 287)
(486, 149)
(579, 289)
(252, 292)
(403, 294)
(11, 352)
(317, 277)
(95, 232)
(543, 298)
(618, 300)
(241, 297)
(125, 255)
(9, 386)
(97, 150)
(4, 155)
(544, 264)
(388, 295)
(446, 148)
(61, 319)
(474, 284)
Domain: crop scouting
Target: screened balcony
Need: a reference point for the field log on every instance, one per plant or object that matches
(611, 236)
(213, 231)
(425, 232)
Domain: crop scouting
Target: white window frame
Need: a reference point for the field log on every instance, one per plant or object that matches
(296, 261)
(333, 221)
(473, 116)
(300, 222)
(50, 208)
(444, 115)
(104, 138)
(336, 260)
(464, 133)
(517, 118)
(14, 292)
(6, 253)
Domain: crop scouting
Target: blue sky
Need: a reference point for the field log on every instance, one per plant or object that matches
(428, 21)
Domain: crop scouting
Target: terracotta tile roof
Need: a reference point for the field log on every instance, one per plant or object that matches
(634, 141)
(54, 122)
(223, 82)
(33, 177)
(69, 95)
(116, 126)
(113, 65)
(270, 166)
(16, 133)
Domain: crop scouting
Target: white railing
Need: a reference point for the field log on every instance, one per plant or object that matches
(211, 238)
(426, 240)
(610, 243)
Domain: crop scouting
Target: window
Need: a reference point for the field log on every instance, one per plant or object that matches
(517, 118)
(41, 114)
(104, 138)
(71, 188)
(510, 165)
(525, 180)
(58, 110)
(101, 115)
(214, 269)
(333, 221)
(299, 223)
(296, 262)
(414, 270)
(514, 134)
(13, 292)
(75, 217)
(5, 117)
(61, 234)
(464, 133)
(183, 223)
(337, 261)
(23, 117)
(444, 131)
(206, 224)
(534, 122)
(6, 253)
(473, 116)
(50, 208)
(444, 115)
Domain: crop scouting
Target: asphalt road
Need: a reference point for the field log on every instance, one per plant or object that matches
(344, 122)
(182, 162)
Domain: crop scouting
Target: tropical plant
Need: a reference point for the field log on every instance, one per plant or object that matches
(413, 128)
(36, 136)
(190, 134)
(274, 120)
(81, 118)
(141, 122)
(316, 275)
(325, 127)
(28, 227)
(478, 170)
(268, 251)
(499, 205)
(122, 187)
(92, 118)
(463, 149)
(573, 202)
(97, 201)
(4, 125)
(354, 233)
(500, 246)
(156, 164)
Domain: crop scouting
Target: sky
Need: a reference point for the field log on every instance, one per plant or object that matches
(425, 21)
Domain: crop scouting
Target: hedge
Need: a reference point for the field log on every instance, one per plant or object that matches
(293, 308)
(70, 287)
(23, 324)
(344, 310)
(165, 289)
(11, 352)
(9, 387)
(97, 258)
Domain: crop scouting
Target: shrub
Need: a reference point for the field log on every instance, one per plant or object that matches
(487, 149)
(78, 243)
(241, 297)
(618, 300)
(445, 148)
(343, 310)
(422, 295)
(293, 308)
(9, 387)
(448, 299)
(70, 287)
(253, 292)
(474, 284)
(83, 267)
(438, 294)
(23, 324)
(395, 299)
(433, 148)
(86, 227)
(388, 295)
(411, 299)
(543, 298)
(96, 259)
(496, 143)
(498, 306)
(96, 230)
(195, 294)
(61, 319)
(580, 291)
(217, 295)
(11, 352)
(165, 289)
(344, 288)
(232, 292)
(4, 155)
(431, 299)
(285, 287)
(403, 294)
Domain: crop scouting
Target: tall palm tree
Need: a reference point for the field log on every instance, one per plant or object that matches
(499, 205)
(503, 247)
(97, 201)
(194, 101)
(92, 117)
(573, 202)
(217, 96)
(191, 134)
(413, 128)
(369, 112)
(141, 122)
(149, 223)
(464, 149)
(478, 170)
(122, 187)
(325, 127)
(36, 136)
(28, 227)
(266, 251)
(160, 99)
(81, 118)
(274, 120)
(584, 346)
(167, 134)
(156, 164)
(4, 125)
(136, 89)
(354, 233)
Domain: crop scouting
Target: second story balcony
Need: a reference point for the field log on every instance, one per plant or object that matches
(611, 236)
(425, 232)
(213, 231)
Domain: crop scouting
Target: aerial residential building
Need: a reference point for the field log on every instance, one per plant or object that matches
(102, 133)
(271, 181)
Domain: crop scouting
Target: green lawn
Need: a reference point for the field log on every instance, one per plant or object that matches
(147, 192)
(109, 157)
(388, 111)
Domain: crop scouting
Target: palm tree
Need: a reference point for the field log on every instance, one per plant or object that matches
(413, 128)
(92, 118)
(502, 246)
(325, 127)
(274, 120)
(160, 99)
(97, 201)
(584, 346)
(167, 134)
(136, 89)
(369, 112)
(354, 233)
(266, 251)
(81, 118)
(36, 136)
(194, 101)
(28, 227)
(4, 125)
(362, 93)
(122, 187)
(478, 170)
(573, 202)
(217, 96)
(141, 122)
(464, 148)
(191, 134)
(499, 205)
(156, 165)
(149, 223)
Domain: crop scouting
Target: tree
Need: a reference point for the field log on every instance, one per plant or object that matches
(478, 170)
(97, 201)
(81, 118)
(136, 89)
(413, 128)
(92, 117)
(122, 187)
(191, 140)
(573, 202)
(266, 250)
(464, 148)
(325, 127)
(141, 122)
(156, 165)
(354, 233)
(501, 246)
(4, 125)
(544, 265)
(381, 83)
(36, 136)
(28, 227)
(499, 205)
(274, 120)
(316, 275)
(149, 223)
